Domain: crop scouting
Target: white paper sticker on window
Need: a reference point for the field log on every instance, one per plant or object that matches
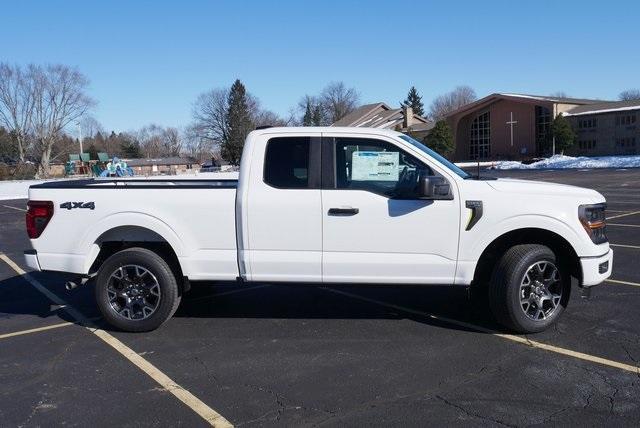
(375, 166)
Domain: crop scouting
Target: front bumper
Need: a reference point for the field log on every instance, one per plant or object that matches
(596, 269)
(31, 259)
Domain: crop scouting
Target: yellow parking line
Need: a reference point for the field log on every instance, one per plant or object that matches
(35, 330)
(616, 281)
(518, 339)
(194, 403)
(15, 208)
(623, 215)
(625, 246)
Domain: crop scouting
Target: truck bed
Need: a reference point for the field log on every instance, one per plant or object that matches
(195, 216)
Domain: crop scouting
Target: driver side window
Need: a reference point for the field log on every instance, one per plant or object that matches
(378, 167)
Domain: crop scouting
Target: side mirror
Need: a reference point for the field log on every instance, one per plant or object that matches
(434, 187)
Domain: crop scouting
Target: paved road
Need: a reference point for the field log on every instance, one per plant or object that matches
(296, 355)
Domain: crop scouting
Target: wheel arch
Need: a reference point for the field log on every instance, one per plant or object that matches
(119, 238)
(560, 246)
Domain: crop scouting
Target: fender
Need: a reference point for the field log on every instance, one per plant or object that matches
(527, 221)
(112, 221)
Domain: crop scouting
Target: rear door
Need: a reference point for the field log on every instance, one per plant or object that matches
(375, 229)
(284, 210)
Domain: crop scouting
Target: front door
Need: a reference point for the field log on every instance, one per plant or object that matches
(374, 228)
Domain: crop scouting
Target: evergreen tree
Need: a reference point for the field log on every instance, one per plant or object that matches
(93, 152)
(440, 138)
(238, 124)
(317, 115)
(414, 100)
(130, 149)
(307, 119)
(563, 134)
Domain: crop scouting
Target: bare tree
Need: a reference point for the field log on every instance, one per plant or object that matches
(16, 104)
(559, 94)
(629, 95)
(59, 99)
(210, 115)
(446, 103)
(171, 142)
(338, 101)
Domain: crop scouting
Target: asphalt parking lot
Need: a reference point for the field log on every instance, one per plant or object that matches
(294, 355)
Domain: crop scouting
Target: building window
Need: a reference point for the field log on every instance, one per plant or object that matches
(626, 146)
(587, 123)
(587, 144)
(543, 127)
(625, 119)
(480, 142)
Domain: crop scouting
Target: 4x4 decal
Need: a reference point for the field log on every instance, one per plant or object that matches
(72, 205)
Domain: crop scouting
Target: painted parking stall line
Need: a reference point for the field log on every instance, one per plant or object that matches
(623, 215)
(194, 403)
(617, 281)
(518, 339)
(635, 247)
(35, 330)
(15, 208)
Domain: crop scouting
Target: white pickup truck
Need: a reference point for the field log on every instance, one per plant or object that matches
(323, 205)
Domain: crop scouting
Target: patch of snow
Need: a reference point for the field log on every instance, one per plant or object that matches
(569, 162)
(17, 189)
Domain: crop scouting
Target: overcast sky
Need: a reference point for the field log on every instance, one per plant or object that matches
(147, 61)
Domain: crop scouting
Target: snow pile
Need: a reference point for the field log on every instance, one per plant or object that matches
(16, 189)
(566, 162)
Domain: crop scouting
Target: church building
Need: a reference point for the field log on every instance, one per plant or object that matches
(507, 126)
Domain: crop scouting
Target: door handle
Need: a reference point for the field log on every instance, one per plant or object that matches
(343, 211)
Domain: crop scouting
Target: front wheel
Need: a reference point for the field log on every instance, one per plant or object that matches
(136, 290)
(528, 290)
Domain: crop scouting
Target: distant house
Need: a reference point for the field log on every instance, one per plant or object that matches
(516, 126)
(380, 115)
(163, 166)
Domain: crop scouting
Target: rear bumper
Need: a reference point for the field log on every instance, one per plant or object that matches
(31, 259)
(596, 269)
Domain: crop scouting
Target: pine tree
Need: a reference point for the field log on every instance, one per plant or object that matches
(307, 119)
(93, 152)
(440, 138)
(414, 100)
(563, 134)
(130, 149)
(238, 124)
(317, 115)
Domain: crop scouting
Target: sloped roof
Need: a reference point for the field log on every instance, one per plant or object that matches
(551, 98)
(378, 115)
(524, 97)
(604, 107)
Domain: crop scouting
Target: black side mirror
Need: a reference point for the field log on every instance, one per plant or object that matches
(434, 187)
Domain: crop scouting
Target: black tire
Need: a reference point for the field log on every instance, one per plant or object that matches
(169, 292)
(505, 288)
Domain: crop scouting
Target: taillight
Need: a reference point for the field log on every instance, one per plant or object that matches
(38, 215)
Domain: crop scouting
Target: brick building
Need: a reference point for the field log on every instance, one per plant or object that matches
(515, 126)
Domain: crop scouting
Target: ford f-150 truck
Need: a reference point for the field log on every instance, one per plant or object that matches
(324, 205)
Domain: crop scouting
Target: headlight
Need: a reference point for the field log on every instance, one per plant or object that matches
(592, 218)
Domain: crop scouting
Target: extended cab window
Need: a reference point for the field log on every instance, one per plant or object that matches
(286, 163)
(379, 167)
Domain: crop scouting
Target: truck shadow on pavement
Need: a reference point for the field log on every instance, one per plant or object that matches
(269, 301)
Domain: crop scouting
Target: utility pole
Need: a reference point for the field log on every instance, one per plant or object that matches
(79, 135)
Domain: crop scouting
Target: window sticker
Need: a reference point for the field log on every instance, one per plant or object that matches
(375, 166)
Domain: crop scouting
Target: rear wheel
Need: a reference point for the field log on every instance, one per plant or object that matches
(136, 290)
(528, 290)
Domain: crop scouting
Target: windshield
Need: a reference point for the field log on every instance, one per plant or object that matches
(450, 165)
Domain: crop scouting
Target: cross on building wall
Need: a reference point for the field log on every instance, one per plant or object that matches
(511, 122)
